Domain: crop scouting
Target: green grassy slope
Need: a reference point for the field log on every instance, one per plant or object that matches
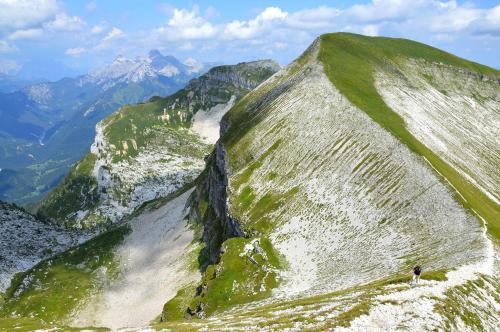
(350, 62)
(141, 122)
(78, 191)
(53, 289)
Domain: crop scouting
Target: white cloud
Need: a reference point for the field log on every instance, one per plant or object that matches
(315, 18)
(410, 18)
(379, 10)
(26, 34)
(113, 34)
(75, 51)
(34, 19)
(63, 22)
(265, 21)
(110, 38)
(454, 18)
(6, 47)
(97, 29)
(490, 25)
(9, 66)
(22, 14)
(492, 16)
(186, 25)
(271, 13)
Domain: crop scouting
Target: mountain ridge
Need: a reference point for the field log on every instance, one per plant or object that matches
(254, 154)
(328, 184)
(154, 137)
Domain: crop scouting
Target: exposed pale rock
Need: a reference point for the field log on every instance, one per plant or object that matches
(26, 241)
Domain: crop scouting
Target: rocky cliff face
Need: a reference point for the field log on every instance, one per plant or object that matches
(245, 75)
(220, 83)
(219, 225)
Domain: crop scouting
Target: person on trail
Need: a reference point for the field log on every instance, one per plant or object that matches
(417, 270)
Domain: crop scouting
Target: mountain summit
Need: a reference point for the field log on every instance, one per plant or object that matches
(155, 65)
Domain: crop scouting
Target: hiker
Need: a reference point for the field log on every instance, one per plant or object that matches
(417, 270)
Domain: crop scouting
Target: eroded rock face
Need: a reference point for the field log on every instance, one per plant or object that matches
(220, 83)
(460, 122)
(25, 241)
(248, 78)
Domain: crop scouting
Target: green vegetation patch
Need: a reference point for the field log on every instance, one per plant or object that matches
(351, 61)
(256, 216)
(129, 128)
(78, 191)
(176, 308)
(240, 277)
(24, 324)
(246, 272)
(253, 165)
(54, 288)
(246, 197)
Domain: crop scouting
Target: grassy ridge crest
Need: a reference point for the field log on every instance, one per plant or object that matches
(350, 62)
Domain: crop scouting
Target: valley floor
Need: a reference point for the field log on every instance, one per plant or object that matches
(152, 261)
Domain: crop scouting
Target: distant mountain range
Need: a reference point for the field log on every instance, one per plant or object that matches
(46, 127)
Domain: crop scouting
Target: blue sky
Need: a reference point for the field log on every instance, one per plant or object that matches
(55, 38)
